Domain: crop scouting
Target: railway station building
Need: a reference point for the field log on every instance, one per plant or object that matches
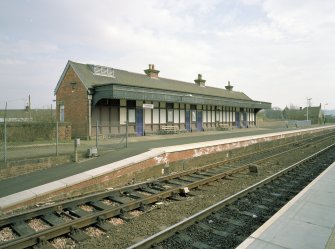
(90, 96)
(313, 113)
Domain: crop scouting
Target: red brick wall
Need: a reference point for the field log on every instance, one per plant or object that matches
(64, 131)
(75, 103)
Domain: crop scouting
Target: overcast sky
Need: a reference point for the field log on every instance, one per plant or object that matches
(279, 51)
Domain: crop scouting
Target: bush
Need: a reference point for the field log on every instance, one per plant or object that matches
(28, 131)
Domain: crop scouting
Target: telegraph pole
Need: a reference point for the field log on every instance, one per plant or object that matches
(5, 135)
(308, 105)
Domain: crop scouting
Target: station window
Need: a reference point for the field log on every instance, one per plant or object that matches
(155, 116)
(169, 105)
(170, 116)
(169, 109)
(176, 116)
(61, 113)
(162, 116)
(131, 115)
(123, 115)
(194, 115)
(182, 116)
(131, 103)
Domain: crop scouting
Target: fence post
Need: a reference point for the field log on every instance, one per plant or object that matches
(76, 144)
(126, 134)
(57, 135)
(5, 136)
(5, 141)
(96, 134)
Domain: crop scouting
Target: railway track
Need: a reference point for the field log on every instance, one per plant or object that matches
(229, 222)
(70, 217)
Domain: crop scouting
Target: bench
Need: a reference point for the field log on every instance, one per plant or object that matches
(170, 128)
(224, 126)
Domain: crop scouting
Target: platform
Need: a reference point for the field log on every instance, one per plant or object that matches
(40, 185)
(307, 221)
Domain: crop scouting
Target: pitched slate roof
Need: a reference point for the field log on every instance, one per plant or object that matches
(300, 114)
(122, 77)
(313, 111)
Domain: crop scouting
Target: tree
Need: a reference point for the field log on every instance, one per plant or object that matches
(274, 113)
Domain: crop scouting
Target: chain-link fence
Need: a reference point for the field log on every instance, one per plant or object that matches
(23, 140)
(111, 135)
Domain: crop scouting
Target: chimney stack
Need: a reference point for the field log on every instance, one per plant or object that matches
(229, 87)
(152, 72)
(199, 81)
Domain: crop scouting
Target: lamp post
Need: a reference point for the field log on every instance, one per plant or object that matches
(324, 114)
(308, 104)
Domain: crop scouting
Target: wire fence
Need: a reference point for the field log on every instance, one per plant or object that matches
(22, 140)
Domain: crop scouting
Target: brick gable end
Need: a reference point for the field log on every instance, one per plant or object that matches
(73, 95)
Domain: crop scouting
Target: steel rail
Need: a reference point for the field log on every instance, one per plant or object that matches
(89, 197)
(115, 211)
(168, 232)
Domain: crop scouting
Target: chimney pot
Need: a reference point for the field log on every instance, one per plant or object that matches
(199, 81)
(229, 87)
(151, 72)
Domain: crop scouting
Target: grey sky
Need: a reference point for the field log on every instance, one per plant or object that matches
(279, 51)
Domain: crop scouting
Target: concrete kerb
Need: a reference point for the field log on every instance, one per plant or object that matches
(75, 179)
(160, 156)
(17, 198)
(192, 146)
(123, 163)
(37, 192)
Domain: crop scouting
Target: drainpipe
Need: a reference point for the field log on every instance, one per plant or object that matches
(89, 97)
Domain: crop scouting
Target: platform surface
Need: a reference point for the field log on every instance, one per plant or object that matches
(38, 183)
(306, 222)
(135, 151)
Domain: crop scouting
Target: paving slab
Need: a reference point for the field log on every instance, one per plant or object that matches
(72, 180)
(47, 188)
(259, 244)
(313, 213)
(307, 221)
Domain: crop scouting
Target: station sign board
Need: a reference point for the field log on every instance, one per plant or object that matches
(148, 106)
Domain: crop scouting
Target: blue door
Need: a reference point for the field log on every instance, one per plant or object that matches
(237, 119)
(188, 120)
(139, 121)
(199, 120)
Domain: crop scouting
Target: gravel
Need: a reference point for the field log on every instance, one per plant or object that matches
(38, 224)
(6, 234)
(93, 232)
(63, 243)
(166, 212)
(86, 208)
